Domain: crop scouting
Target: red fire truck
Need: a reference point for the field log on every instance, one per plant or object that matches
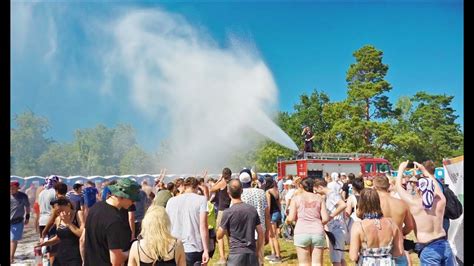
(316, 165)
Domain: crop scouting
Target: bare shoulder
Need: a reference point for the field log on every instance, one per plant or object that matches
(356, 226)
(399, 203)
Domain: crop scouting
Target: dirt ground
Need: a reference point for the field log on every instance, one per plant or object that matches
(24, 254)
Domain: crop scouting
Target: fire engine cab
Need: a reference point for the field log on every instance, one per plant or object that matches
(316, 165)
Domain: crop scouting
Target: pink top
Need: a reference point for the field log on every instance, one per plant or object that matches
(308, 215)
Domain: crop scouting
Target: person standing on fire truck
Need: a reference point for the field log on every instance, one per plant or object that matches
(308, 139)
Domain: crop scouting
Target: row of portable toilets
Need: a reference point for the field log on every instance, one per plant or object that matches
(70, 180)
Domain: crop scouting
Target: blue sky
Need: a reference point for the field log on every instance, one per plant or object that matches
(57, 73)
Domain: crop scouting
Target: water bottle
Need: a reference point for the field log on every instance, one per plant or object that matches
(38, 256)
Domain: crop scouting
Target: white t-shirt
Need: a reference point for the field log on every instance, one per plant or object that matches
(335, 186)
(331, 205)
(184, 211)
(44, 202)
(289, 194)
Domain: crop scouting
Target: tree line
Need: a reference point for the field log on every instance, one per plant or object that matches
(416, 127)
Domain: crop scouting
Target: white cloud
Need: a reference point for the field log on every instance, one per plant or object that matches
(52, 39)
(21, 17)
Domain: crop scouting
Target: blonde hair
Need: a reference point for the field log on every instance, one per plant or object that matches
(156, 232)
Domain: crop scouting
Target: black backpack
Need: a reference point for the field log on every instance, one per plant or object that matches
(453, 209)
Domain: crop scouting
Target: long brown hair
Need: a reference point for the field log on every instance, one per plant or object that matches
(369, 203)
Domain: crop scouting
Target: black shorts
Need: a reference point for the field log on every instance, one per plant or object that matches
(249, 259)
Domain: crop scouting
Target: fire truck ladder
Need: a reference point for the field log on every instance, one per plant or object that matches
(335, 156)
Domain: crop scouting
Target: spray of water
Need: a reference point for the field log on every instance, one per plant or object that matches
(209, 95)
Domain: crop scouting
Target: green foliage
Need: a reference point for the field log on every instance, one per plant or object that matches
(94, 150)
(135, 161)
(267, 156)
(433, 121)
(60, 159)
(366, 84)
(310, 112)
(419, 127)
(28, 142)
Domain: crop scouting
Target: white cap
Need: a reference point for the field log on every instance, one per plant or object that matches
(342, 173)
(78, 182)
(288, 182)
(244, 177)
(334, 176)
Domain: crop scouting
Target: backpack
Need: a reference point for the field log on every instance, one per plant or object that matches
(453, 209)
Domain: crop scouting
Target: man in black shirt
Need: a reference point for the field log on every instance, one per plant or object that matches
(220, 188)
(106, 237)
(240, 222)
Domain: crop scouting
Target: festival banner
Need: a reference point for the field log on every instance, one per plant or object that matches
(454, 177)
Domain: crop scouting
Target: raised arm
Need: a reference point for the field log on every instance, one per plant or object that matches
(425, 172)
(219, 185)
(74, 229)
(404, 195)
(162, 175)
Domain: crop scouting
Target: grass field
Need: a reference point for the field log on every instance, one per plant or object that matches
(289, 257)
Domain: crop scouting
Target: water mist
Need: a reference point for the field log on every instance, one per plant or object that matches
(210, 96)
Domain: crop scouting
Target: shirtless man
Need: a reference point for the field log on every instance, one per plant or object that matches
(427, 207)
(397, 210)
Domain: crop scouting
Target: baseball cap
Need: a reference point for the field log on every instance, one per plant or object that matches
(126, 188)
(14, 183)
(288, 182)
(245, 176)
(343, 174)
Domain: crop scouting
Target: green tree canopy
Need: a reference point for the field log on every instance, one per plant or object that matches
(28, 143)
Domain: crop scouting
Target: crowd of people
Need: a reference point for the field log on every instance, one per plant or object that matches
(184, 221)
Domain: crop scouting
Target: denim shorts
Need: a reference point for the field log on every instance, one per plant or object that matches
(276, 218)
(335, 252)
(437, 253)
(310, 240)
(401, 260)
(16, 231)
